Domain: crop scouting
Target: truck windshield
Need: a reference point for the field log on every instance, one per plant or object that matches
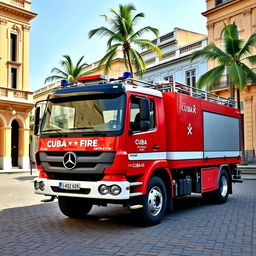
(87, 114)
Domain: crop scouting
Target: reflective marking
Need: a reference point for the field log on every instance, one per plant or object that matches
(182, 155)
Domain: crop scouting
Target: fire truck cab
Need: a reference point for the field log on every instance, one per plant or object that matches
(136, 144)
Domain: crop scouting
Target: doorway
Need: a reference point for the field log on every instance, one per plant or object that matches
(15, 143)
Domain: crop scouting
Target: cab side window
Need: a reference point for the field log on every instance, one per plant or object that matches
(135, 114)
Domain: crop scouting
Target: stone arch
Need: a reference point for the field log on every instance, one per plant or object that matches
(20, 121)
(222, 34)
(17, 138)
(3, 122)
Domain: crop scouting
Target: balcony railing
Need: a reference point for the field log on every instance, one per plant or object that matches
(225, 82)
(176, 54)
(9, 94)
(221, 2)
(162, 40)
(191, 47)
(167, 37)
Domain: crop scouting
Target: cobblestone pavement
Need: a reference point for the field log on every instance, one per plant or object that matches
(29, 227)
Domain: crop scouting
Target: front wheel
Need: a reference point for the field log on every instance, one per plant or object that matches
(154, 202)
(74, 207)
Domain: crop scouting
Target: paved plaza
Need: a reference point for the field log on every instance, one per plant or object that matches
(29, 227)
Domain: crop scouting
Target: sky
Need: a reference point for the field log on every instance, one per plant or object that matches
(61, 27)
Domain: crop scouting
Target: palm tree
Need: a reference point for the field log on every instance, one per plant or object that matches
(231, 59)
(70, 71)
(122, 35)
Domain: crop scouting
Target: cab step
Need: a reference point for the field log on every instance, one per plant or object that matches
(134, 207)
(48, 199)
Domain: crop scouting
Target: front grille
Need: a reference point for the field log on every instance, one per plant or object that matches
(80, 153)
(75, 176)
(88, 164)
(78, 165)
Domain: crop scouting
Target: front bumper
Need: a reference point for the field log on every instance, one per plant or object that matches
(87, 189)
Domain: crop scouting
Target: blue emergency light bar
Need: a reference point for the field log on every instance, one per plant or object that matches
(65, 83)
(125, 76)
(96, 78)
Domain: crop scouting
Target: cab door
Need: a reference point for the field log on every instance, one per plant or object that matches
(144, 145)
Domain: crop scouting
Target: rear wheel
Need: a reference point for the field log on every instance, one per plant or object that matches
(220, 195)
(74, 207)
(154, 202)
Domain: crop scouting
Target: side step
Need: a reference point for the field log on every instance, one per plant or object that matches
(237, 180)
(134, 207)
(48, 199)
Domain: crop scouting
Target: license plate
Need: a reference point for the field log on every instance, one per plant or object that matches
(69, 186)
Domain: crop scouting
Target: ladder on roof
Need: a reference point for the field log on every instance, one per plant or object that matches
(171, 86)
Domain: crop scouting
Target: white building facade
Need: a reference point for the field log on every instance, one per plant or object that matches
(176, 63)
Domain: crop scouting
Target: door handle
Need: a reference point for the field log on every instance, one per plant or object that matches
(155, 147)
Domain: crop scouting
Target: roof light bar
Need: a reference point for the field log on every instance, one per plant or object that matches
(125, 76)
(65, 83)
(91, 78)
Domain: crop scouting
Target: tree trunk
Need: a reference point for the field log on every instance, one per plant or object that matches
(129, 63)
(238, 98)
(232, 88)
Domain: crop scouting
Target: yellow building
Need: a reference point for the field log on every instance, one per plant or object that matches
(243, 12)
(15, 100)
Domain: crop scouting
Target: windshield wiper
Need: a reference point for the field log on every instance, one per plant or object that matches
(52, 130)
(80, 128)
(93, 132)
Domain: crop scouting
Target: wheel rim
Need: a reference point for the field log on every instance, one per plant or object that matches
(224, 187)
(155, 201)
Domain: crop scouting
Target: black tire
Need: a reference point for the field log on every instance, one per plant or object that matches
(74, 207)
(220, 195)
(154, 202)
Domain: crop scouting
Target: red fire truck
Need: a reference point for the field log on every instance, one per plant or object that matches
(136, 144)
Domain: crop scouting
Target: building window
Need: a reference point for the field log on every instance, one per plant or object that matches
(191, 77)
(220, 2)
(168, 78)
(14, 73)
(13, 47)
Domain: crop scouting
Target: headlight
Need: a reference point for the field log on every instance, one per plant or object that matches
(41, 185)
(36, 185)
(103, 189)
(115, 190)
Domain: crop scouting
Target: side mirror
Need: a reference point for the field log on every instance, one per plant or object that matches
(36, 122)
(144, 114)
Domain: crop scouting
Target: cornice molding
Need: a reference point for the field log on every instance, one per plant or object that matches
(20, 12)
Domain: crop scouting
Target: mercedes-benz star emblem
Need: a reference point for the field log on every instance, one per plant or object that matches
(69, 160)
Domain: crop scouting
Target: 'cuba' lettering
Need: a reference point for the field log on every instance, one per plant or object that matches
(141, 142)
(188, 109)
(56, 144)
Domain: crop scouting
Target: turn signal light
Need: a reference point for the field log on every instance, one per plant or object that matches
(42, 173)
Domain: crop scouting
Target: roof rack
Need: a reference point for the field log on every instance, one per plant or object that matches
(171, 86)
